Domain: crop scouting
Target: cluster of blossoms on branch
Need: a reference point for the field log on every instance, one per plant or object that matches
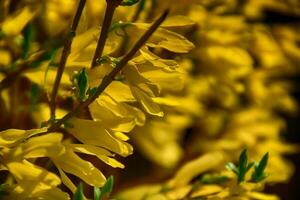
(79, 78)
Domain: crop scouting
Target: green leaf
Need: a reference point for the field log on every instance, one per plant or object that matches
(108, 59)
(103, 60)
(230, 166)
(82, 84)
(243, 160)
(68, 124)
(129, 2)
(118, 25)
(34, 93)
(97, 193)
(259, 169)
(243, 167)
(2, 34)
(92, 91)
(213, 179)
(3, 190)
(28, 38)
(114, 61)
(108, 186)
(78, 195)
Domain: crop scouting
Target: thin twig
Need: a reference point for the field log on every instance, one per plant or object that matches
(65, 53)
(20, 67)
(111, 6)
(4, 70)
(110, 77)
(13, 76)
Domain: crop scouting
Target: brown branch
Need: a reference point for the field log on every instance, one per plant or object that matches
(19, 67)
(110, 77)
(11, 77)
(65, 53)
(111, 6)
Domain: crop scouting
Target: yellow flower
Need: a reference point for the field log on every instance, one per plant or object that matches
(16, 151)
(15, 23)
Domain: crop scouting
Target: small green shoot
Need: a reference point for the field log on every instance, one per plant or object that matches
(108, 60)
(81, 84)
(97, 193)
(259, 169)
(119, 25)
(243, 167)
(27, 41)
(213, 179)
(34, 95)
(92, 91)
(107, 188)
(78, 195)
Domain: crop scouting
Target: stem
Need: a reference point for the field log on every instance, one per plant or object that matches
(20, 67)
(111, 6)
(3, 9)
(64, 57)
(110, 77)
(13, 76)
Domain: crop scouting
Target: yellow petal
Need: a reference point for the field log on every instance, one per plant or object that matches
(45, 77)
(158, 141)
(73, 164)
(41, 113)
(121, 136)
(38, 179)
(261, 196)
(43, 146)
(167, 80)
(148, 104)
(66, 181)
(228, 61)
(93, 133)
(13, 25)
(157, 61)
(112, 114)
(20, 192)
(177, 21)
(100, 153)
(205, 190)
(195, 167)
(11, 137)
(167, 39)
(5, 58)
(119, 91)
(52, 194)
(139, 192)
(179, 193)
(80, 42)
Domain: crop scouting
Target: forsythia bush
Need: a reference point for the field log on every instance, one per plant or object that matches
(198, 86)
